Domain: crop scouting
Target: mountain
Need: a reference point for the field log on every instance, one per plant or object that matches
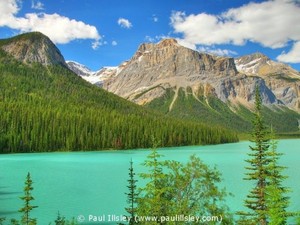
(261, 65)
(33, 48)
(44, 106)
(184, 83)
(94, 77)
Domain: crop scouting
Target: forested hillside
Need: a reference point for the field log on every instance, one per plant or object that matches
(49, 108)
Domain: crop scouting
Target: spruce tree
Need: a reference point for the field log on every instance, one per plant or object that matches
(132, 195)
(60, 220)
(258, 169)
(27, 198)
(277, 200)
(267, 201)
(154, 201)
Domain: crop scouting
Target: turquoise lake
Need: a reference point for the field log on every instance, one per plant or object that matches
(94, 183)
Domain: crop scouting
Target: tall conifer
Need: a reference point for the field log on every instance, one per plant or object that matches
(132, 196)
(266, 201)
(27, 198)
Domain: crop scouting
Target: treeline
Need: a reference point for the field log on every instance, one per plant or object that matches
(52, 109)
(176, 193)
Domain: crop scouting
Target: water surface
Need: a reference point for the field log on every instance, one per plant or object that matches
(94, 183)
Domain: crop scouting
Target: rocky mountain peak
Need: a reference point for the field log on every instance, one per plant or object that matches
(258, 64)
(168, 42)
(168, 65)
(33, 47)
(252, 59)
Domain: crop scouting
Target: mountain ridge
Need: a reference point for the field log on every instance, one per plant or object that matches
(47, 107)
(185, 84)
(166, 76)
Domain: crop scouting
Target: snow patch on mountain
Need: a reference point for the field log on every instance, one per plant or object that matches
(93, 77)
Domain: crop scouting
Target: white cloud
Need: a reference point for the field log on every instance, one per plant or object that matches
(59, 29)
(271, 23)
(114, 43)
(154, 18)
(291, 57)
(125, 23)
(37, 5)
(217, 51)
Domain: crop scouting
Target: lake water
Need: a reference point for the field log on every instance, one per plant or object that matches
(94, 183)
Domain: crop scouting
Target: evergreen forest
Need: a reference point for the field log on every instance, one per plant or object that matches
(49, 108)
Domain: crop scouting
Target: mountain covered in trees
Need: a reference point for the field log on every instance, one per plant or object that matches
(44, 106)
(184, 83)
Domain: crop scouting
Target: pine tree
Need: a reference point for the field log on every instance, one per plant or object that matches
(153, 200)
(277, 201)
(132, 195)
(27, 198)
(267, 200)
(258, 169)
(60, 220)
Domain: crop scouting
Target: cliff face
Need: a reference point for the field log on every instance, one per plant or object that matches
(155, 68)
(33, 48)
(281, 79)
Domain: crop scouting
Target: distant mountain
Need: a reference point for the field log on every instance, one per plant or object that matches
(261, 65)
(220, 90)
(45, 106)
(94, 77)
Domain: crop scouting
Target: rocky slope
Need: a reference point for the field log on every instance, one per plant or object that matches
(157, 67)
(33, 48)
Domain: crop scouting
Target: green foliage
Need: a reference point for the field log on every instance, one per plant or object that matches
(258, 167)
(60, 220)
(210, 109)
(277, 200)
(52, 109)
(27, 198)
(174, 189)
(267, 201)
(153, 200)
(163, 103)
(14, 222)
(132, 196)
(2, 219)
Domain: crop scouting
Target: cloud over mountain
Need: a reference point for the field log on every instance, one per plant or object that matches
(59, 29)
(272, 24)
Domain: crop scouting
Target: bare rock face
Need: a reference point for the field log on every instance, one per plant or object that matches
(167, 64)
(34, 48)
(281, 79)
(157, 67)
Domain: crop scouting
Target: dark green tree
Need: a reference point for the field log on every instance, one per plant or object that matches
(277, 200)
(27, 198)
(153, 200)
(14, 222)
(258, 169)
(132, 196)
(2, 219)
(60, 220)
(267, 201)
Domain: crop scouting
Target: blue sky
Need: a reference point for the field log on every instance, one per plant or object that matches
(101, 33)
